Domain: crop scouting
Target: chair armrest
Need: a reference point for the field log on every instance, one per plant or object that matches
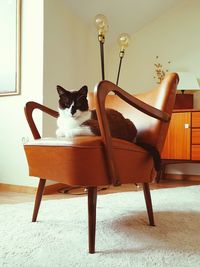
(100, 93)
(103, 89)
(28, 109)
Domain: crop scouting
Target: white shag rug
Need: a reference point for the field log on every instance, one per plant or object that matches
(123, 237)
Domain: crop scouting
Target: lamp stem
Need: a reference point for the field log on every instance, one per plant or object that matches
(102, 59)
(120, 63)
(121, 55)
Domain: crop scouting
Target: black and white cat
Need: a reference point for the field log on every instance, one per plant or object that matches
(76, 119)
(73, 112)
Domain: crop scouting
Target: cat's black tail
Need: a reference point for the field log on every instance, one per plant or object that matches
(153, 152)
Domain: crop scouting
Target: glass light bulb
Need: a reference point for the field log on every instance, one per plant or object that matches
(124, 40)
(101, 23)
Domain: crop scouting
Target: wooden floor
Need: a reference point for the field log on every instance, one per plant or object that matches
(7, 197)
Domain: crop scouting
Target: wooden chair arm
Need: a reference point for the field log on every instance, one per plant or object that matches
(28, 109)
(100, 93)
(104, 87)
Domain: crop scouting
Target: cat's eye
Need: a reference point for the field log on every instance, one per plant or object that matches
(66, 102)
(78, 105)
(80, 102)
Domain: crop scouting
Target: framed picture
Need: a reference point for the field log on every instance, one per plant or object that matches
(10, 47)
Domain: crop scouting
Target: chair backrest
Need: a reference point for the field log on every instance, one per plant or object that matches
(150, 130)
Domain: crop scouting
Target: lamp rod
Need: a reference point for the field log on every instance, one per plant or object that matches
(102, 59)
(121, 55)
(119, 69)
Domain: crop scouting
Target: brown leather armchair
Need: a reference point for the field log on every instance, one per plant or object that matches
(92, 161)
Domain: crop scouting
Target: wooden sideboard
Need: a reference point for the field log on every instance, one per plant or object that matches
(183, 139)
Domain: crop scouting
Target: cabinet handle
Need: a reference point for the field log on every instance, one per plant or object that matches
(186, 126)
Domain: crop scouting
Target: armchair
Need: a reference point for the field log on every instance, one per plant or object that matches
(92, 161)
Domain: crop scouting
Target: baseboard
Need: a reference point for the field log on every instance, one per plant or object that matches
(49, 189)
(182, 177)
(18, 188)
(54, 188)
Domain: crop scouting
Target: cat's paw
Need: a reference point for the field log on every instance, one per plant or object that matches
(59, 133)
(68, 135)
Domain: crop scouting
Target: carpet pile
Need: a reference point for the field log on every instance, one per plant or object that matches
(123, 237)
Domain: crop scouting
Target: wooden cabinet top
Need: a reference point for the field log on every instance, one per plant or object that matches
(185, 110)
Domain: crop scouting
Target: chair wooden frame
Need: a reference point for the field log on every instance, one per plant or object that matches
(100, 93)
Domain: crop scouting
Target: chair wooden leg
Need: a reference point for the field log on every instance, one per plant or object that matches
(161, 172)
(147, 196)
(92, 201)
(38, 199)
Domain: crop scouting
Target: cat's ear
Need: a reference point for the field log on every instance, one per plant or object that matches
(61, 90)
(83, 90)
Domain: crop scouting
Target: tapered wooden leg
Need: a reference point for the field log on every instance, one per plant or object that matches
(147, 196)
(38, 199)
(92, 201)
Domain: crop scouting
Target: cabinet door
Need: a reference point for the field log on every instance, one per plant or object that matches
(177, 143)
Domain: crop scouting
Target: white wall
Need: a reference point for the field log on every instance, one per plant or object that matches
(66, 56)
(173, 36)
(13, 166)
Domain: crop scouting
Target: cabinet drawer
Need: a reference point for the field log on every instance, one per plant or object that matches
(195, 119)
(195, 152)
(196, 136)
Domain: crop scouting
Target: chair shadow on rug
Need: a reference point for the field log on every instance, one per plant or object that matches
(169, 235)
(92, 161)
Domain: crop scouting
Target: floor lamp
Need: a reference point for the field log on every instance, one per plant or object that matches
(123, 41)
(102, 27)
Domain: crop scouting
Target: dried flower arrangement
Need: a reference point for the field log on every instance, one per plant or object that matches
(160, 71)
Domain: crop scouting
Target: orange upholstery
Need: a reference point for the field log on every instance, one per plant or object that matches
(92, 161)
(149, 129)
(82, 163)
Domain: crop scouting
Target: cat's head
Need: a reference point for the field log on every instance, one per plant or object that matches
(73, 103)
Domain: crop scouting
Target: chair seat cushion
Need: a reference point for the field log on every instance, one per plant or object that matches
(67, 161)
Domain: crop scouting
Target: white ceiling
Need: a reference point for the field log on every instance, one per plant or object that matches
(123, 15)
